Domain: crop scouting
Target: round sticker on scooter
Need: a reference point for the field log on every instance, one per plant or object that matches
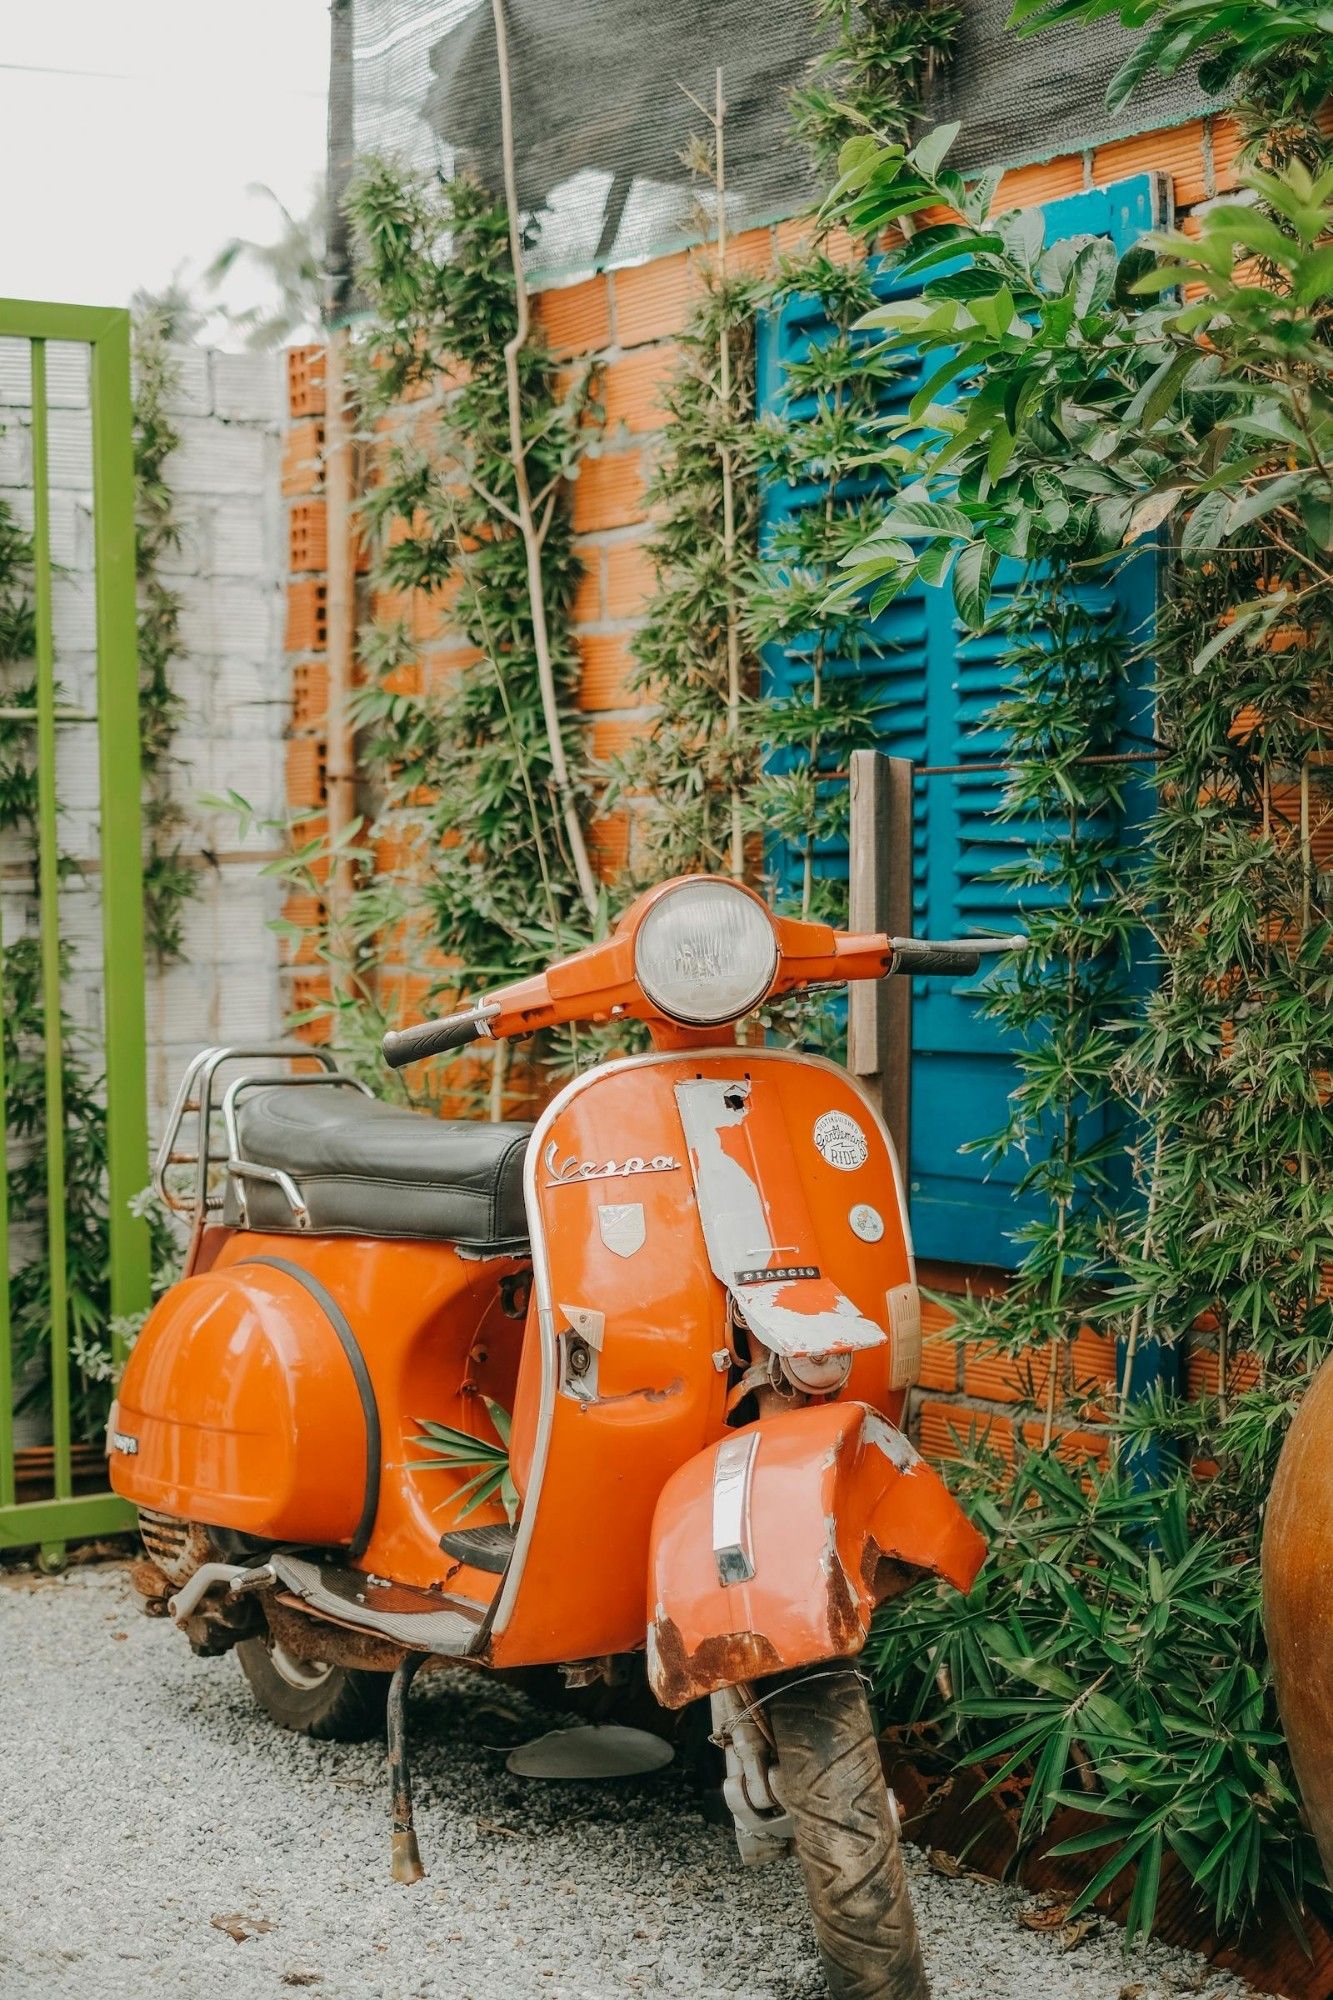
(867, 1222)
(840, 1140)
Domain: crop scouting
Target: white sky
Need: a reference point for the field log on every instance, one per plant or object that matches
(114, 177)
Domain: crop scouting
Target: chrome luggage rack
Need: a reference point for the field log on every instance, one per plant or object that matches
(200, 1097)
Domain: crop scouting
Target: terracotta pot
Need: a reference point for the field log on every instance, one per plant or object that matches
(1298, 1601)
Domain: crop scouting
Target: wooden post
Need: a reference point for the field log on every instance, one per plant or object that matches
(879, 1014)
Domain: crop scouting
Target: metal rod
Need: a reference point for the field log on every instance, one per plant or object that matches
(405, 1856)
(48, 879)
(29, 715)
(1007, 764)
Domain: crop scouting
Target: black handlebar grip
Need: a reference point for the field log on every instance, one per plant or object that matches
(429, 1038)
(910, 957)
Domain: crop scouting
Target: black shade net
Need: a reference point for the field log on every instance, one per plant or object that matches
(602, 117)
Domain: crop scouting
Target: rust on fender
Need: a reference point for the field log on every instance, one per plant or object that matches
(1298, 1601)
(779, 1558)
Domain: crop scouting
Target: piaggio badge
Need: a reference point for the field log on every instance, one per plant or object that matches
(778, 1276)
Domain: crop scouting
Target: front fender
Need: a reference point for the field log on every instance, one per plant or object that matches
(772, 1548)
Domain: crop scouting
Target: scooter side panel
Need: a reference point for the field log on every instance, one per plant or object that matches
(617, 1235)
(237, 1408)
(834, 1510)
(245, 1411)
(437, 1341)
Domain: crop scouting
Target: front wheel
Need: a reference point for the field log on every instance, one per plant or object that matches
(333, 1704)
(846, 1837)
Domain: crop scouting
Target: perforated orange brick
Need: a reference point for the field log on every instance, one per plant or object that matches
(606, 669)
(608, 492)
(945, 1430)
(630, 391)
(1179, 153)
(608, 843)
(405, 678)
(630, 580)
(939, 1361)
(396, 853)
(303, 458)
(577, 318)
(311, 993)
(1201, 1371)
(1024, 187)
(301, 941)
(751, 252)
(997, 1377)
(654, 300)
(587, 606)
(305, 381)
(1075, 1447)
(1092, 1365)
(310, 694)
(611, 739)
(307, 764)
(308, 536)
(1226, 141)
(307, 616)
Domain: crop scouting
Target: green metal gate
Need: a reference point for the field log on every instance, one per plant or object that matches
(106, 334)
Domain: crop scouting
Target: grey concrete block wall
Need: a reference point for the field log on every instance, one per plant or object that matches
(229, 572)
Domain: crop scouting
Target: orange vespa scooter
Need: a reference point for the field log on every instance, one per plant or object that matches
(690, 1281)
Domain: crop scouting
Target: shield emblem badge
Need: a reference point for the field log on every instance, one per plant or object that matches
(622, 1226)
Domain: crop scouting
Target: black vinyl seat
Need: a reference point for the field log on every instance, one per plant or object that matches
(369, 1169)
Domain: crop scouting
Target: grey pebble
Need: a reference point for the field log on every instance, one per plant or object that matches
(142, 1794)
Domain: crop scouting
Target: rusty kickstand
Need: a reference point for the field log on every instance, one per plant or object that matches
(405, 1863)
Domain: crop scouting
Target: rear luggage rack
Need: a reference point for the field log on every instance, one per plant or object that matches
(202, 1098)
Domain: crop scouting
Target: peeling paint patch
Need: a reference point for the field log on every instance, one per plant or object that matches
(807, 1316)
(731, 1205)
(901, 1453)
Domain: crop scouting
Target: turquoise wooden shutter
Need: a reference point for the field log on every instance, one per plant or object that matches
(937, 683)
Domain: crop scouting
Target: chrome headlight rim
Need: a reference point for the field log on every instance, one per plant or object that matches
(715, 887)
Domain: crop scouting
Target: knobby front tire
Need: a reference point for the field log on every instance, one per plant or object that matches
(846, 1837)
(330, 1703)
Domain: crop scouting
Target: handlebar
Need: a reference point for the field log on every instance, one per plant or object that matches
(600, 982)
(434, 1038)
(955, 956)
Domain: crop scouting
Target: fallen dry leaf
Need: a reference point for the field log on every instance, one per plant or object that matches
(240, 1927)
(1044, 1916)
(302, 1978)
(494, 1826)
(1072, 1936)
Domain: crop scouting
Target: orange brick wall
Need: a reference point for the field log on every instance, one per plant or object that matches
(627, 322)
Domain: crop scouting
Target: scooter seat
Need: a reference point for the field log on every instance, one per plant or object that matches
(364, 1168)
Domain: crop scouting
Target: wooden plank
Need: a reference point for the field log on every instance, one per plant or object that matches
(879, 1017)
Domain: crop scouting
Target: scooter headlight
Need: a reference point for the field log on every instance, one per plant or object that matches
(705, 953)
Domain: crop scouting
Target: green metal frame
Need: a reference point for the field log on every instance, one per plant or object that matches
(106, 332)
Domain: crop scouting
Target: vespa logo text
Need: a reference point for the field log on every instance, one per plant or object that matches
(567, 1172)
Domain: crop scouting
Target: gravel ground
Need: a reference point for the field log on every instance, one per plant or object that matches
(143, 1798)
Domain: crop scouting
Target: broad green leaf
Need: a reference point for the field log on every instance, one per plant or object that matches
(1151, 513)
(972, 582)
(927, 156)
(1273, 493)
(911, 518)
